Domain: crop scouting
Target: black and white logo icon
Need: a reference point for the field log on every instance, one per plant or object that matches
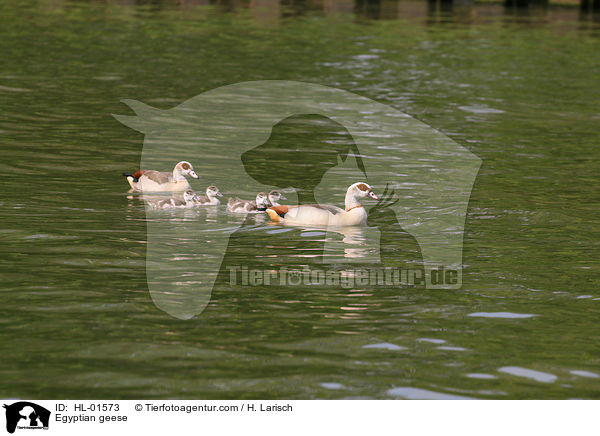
(26, 415)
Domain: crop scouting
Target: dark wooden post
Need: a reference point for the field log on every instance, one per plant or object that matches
(521, 4)
(516, 3)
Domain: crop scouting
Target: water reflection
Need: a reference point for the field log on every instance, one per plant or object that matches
(432, 340)
(385, 346)
(586, 374)
(481, 376)
(410, 393)
(352, 243)
(501, 315)
(539, 376)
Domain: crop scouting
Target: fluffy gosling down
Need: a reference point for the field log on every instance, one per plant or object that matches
(211, 197)
(237, 205)
(176, 203)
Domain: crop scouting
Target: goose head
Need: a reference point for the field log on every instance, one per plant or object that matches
(356, 192)
(362, 190)
(188, 196)
(274, 197)
(212, 192)
(184, 168)
(262, 201)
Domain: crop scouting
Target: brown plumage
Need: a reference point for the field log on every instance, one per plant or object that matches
(156, 176)
(281, 210)
(158, 181)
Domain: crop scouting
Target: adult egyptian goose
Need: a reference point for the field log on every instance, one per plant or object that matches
(175, 203)
(238, 205)
(157, 181)
(210, 199)
(325, 214)
(274, 197)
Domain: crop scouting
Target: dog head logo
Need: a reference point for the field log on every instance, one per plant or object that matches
(222, 132)
(25, 414)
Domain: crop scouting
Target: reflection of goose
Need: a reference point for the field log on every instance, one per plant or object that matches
(175, 203)
(210, 199)
(274, 197)
(248, 206)
(351, 235)
(357, 241)
(327, 215)
(157, 181)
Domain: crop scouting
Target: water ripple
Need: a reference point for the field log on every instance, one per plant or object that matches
(385, 346)
(543, 377)
(424, 394)
(501, 315)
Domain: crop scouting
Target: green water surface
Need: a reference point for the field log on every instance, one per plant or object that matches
(520, 89)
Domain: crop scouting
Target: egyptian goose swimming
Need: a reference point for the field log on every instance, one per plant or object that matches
(157, 181)
(175, 203)
(210, 199)
(327, 215)
(274, 197)
(249, 206)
